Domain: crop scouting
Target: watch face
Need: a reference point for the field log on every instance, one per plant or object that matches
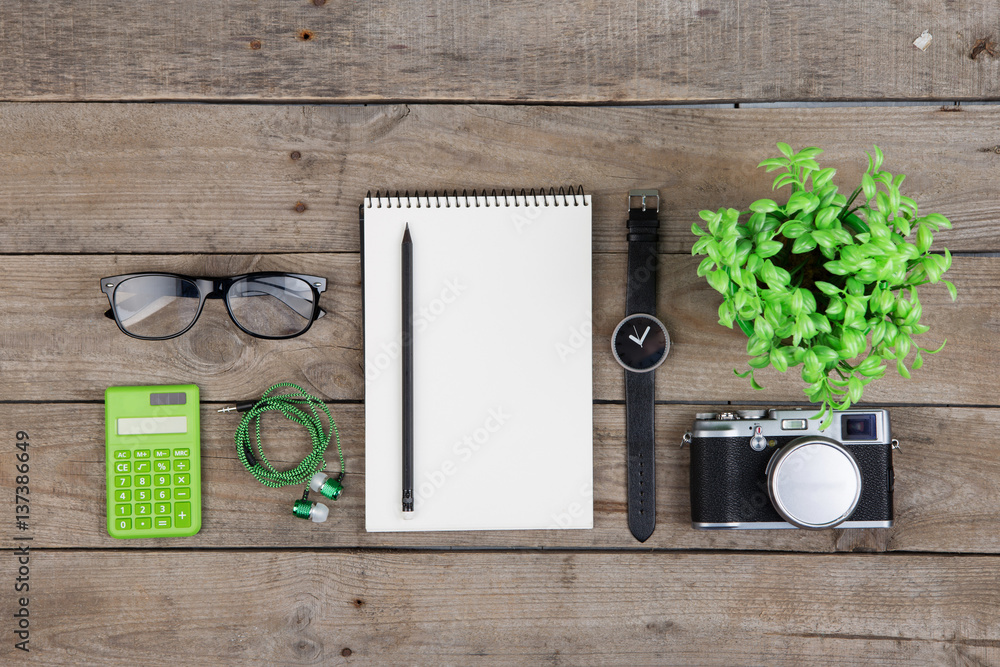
(640, 343)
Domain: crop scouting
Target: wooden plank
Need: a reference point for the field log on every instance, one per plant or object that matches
(56, 344)
(519, 51)
(223, 179)
(473, 608)
(945, 494)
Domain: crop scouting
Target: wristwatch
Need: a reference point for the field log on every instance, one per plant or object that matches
(640, 344)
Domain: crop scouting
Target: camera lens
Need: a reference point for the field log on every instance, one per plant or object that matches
(857, 427)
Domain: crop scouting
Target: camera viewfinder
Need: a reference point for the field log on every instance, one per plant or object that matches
(857, 427)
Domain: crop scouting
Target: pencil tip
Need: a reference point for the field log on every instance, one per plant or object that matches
(406, 233)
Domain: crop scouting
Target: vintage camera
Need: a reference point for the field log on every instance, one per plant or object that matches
(776, 469)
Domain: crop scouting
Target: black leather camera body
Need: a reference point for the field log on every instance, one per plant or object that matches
(756, 469)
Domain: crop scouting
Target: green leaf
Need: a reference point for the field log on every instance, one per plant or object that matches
(760, 362)
(924, 238)
(782, 181)
(854, 389)
(826, 217)
(951, 289)
(779, 359)
(801, 201)
(773, 163)
(764, 206)
(762, 328)
(757, 345)
(785, 149)
(878, 158)
(719, 281)
(792, 229)
(824, 237)
(822, 177)
(809, 153)
(825, 354)
(803, 244)
(827, 288)
(937, 350)
(769, 249)
(939, 220)
(901, 369)
(868, 187)
(836, 268)
(696, 230)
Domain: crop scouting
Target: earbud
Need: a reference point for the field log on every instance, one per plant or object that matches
(322, 482)
(315, 512)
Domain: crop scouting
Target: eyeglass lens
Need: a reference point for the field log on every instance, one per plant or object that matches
(272, 305)
(156, 306)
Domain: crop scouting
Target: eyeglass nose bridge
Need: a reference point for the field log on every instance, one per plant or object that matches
(213, 288)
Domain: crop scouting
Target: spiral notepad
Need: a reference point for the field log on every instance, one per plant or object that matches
(503, 425)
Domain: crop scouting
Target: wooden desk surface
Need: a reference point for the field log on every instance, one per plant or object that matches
(310, 104)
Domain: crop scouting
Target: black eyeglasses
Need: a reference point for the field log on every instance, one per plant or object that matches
(158, 306)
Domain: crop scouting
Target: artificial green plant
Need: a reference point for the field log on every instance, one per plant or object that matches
(826, 281)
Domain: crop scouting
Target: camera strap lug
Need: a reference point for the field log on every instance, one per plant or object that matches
(895, 444)
(686, 439)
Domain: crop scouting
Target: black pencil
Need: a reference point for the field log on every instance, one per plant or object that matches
(407, 264)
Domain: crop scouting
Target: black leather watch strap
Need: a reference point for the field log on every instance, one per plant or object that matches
(640, 297)
(639, 439)
(640, 291)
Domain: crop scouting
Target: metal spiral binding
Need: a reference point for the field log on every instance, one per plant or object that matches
(575, 196)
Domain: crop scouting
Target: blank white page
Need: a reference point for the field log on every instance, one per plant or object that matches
(503, 398)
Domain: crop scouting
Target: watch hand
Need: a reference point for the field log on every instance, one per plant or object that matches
(640, 341)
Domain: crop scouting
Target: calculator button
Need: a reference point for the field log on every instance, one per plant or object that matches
(182, 493)
(123, 454)
(142, 480)
(180, 453)
(142, 466)
(124, 524)
(182, 464)
(162, 494)
(182, 515)
(123, 510)
(144, 523)
(122, 480)
(144, 510)
(123, 496)
(142, 454)
(123, 466)
(162, 466)
(162, 508)
(143, 495)
(161, 453)
(162, 522)
(183, 478)
(162, 480)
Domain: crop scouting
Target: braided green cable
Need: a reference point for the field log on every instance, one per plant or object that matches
(291, 405)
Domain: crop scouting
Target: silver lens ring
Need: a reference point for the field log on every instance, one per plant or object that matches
(814, 482)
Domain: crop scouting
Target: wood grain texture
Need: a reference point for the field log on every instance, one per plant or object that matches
(439, 50)
(473, 608)
(136, 178)
(946, 496)
(56, 344)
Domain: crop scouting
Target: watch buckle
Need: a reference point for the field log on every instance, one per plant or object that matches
(637, 199)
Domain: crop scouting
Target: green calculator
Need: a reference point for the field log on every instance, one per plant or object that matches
(153, 460)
